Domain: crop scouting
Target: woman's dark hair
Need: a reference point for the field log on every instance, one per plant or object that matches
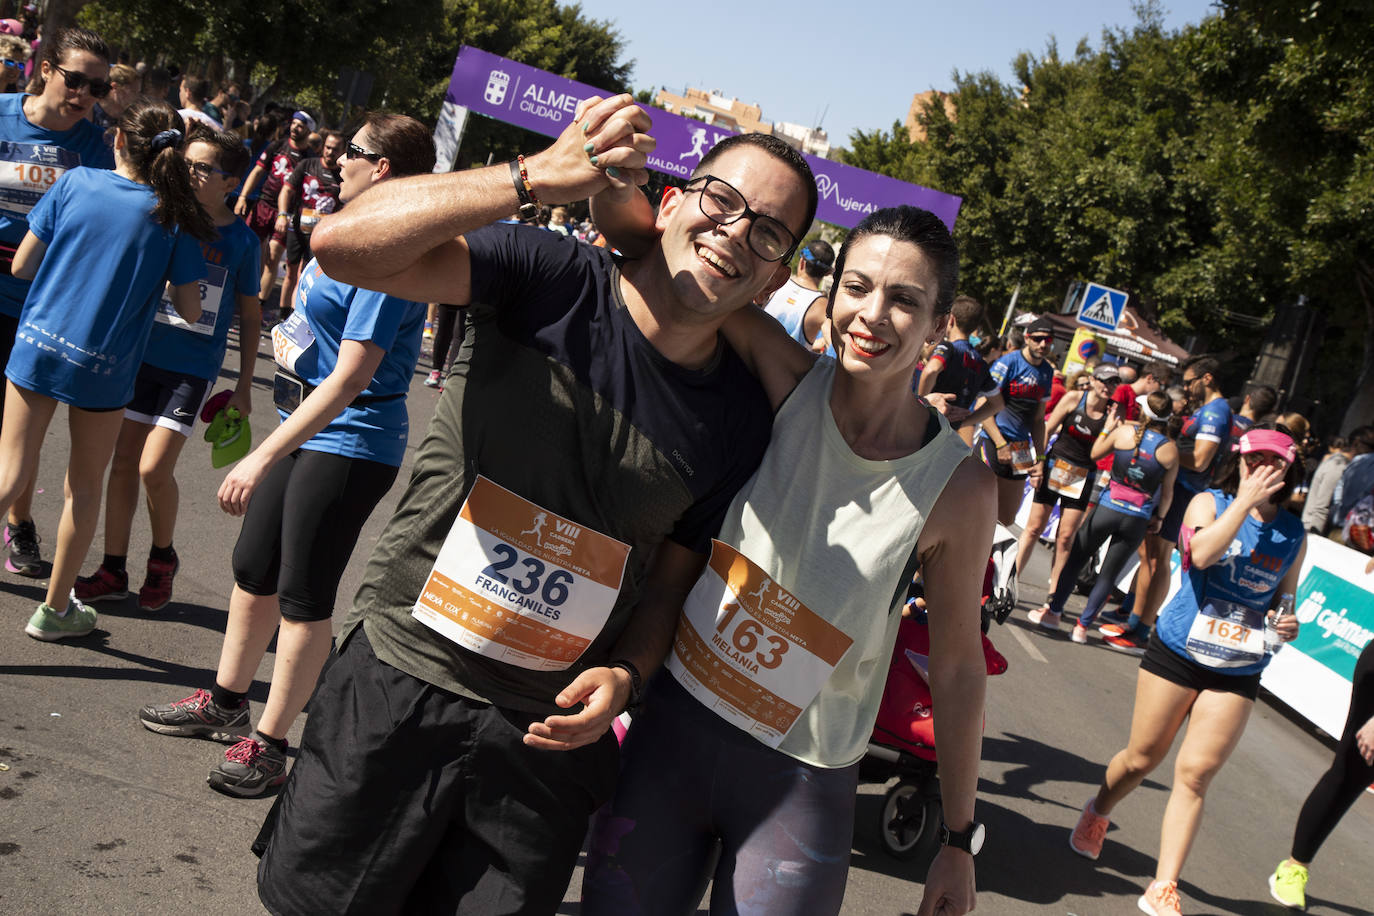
(63, 43)
(1227, 476)
(918, 227)
(404, 141)
(159, 162)
(264, 132)
(230, 152)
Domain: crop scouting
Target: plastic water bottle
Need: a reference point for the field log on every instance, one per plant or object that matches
(1272, 641)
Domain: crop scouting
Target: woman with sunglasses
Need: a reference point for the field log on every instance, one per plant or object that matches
(344, 362)
(1144, 463)
(44, 135)
(1067, 473)
(1240, 553)
(100, 248)
(1010, 441)
(14, 54)
(750, 741)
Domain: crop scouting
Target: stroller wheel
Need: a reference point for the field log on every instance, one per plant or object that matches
(910, 824)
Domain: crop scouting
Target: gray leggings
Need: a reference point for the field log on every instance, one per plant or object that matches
(691, 784)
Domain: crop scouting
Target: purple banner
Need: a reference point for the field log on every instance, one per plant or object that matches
(545, 103)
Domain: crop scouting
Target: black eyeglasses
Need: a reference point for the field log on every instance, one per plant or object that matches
(203, 170)
(76, 81)
(724, 204)
(354, 150)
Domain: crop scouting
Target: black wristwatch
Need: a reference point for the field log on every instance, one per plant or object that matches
(636, 683)
(970, 840)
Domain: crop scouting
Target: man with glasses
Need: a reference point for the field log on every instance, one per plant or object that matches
(310, 192)
(273, 167)
(588, 442)
(1011, 441)
(1205, 437)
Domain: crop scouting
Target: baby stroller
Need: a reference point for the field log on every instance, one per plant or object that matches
(903, 741)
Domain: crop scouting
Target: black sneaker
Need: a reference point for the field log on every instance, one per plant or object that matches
(21, 545)
(198, 714)
(249, 768)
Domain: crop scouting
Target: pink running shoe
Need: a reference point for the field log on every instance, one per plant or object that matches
(1079, 634)
(1161, 899)
(1087, 836)
(1044, 617)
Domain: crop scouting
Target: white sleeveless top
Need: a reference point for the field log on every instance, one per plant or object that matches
(839, 533)
(789, 305)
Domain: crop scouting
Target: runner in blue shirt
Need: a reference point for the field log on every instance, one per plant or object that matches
(345, 359)
(42, 136)
(180, 366)
(1011, 441)
(1240, 553)
(100, 247)
(1205, 439)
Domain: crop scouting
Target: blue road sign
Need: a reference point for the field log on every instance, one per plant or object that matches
(1102, 307)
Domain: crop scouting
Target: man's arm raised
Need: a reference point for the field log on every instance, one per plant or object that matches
(404, 237)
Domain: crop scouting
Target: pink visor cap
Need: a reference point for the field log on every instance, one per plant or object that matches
(1268, 440)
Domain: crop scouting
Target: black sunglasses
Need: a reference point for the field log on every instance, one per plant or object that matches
(356, 151)
(76, 81)
(203, 170)
(724, 204)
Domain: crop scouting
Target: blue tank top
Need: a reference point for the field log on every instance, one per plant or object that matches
(1136, 473)
(1024, 390)
(1232, 594)
(964, 374)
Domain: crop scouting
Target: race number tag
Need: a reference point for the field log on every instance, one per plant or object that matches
(211, 295)
(1067, 479)
(290, 339)
(749, 650)
(27, 170)
(519, 584)
(1022, 458)
(1226, 635)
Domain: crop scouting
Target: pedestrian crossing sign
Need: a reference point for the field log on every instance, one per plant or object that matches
(1102, 307)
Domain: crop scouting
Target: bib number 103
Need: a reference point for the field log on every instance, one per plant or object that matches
(553, 590)
(745, 636)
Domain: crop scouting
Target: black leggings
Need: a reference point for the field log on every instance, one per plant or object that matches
(448, 326)
(302, 523)
(1126, 532)
(1348, 776)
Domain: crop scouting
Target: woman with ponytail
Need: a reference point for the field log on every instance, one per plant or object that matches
(99, 249)
(1134, 502)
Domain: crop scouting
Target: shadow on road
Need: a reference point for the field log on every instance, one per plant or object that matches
(1034, 763)
(149, 670)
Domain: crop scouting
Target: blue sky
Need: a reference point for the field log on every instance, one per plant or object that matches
(858, 62)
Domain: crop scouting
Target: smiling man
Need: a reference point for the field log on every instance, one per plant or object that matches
(584, 451)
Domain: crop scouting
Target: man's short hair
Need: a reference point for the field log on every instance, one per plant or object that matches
(817, 258)
(968, 314)
(403, 140)
(1263, 399)
(1204, 364)
(778, 149)
(1160, 371)
(198, 89)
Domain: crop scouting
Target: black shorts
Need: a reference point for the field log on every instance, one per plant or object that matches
(408, 798)
(1164, 662)
(301, 526)
(988, 454)
(168, 399)
(297, 247)
(1046, 497)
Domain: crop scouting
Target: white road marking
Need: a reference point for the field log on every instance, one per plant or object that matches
(1026, 644)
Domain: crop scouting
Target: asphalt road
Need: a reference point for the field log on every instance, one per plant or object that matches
(100, 816)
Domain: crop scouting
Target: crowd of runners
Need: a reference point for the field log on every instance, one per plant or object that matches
(609, 509)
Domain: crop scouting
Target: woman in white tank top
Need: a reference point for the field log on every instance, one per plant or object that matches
(751, 738)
